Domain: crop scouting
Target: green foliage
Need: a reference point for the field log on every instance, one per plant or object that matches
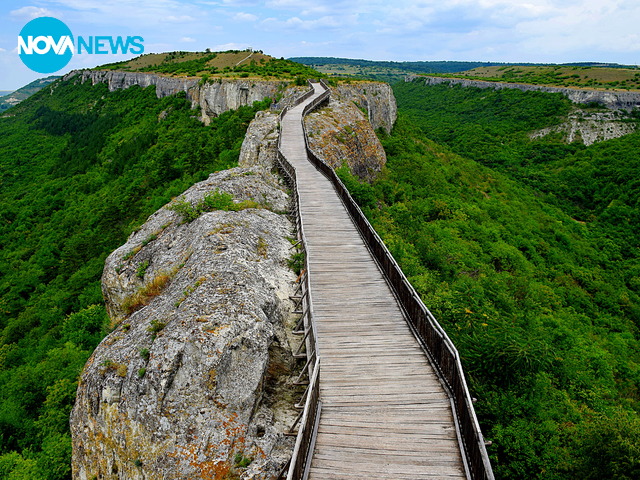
(79, 167)
(241, 461)
(388, 71)
(280, 68)
(216, 200)
(156, 327)
(296, 262)
(543, 309)
(142, 269)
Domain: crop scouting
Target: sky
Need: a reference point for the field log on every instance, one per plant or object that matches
(535, 31)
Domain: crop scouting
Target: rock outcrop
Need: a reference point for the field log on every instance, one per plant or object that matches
(194, 381)
(260, 144)
(589, 128)
(613, 100)
(213, 97)
(375, 98)
(340, 134)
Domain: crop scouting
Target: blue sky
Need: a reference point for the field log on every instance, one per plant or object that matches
(484, 30)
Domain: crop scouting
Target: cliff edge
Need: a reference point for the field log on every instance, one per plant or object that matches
(613, 100)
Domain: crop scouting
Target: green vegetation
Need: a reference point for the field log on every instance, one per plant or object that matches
(241, 461)
(543, 308)
(212, 67)
(212, 201)
(80, 169)
(142, 269)
(296, 262)
(577, 76)
(156, 327)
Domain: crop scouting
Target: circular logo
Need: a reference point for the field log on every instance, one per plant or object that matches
(45, 45)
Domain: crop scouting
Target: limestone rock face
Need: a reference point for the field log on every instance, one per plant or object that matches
(590, 128)
(260, 145)
(375, 97)
(340, 134)
(213, 98)
(613, 100)
(194, 381)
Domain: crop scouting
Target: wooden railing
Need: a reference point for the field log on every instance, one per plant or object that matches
(310, 404)
(440, 349)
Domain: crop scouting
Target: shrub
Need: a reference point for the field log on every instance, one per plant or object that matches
(296, 262)
(156, 327)
(142, 269)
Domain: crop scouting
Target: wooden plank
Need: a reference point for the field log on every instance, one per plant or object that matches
(385, 414)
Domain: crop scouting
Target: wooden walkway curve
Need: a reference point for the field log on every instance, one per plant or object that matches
(385, 414)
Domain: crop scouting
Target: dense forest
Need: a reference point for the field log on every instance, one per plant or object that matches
(80, 169)
(527, 252)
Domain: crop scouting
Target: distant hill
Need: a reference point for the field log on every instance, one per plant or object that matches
(5, 92)
(385, 70)
(607, 76)
(229, 64)
(391, 71)
(10, 99)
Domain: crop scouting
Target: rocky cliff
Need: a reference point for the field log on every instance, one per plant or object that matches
(340, 134)
(213, 97)
(613, 100)
(375, 98)
(219, 95)
(194, 380)
(260, 145)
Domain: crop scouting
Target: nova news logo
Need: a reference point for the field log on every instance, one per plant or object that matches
(46, 45)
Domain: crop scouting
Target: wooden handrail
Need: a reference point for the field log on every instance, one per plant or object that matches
(307, 431)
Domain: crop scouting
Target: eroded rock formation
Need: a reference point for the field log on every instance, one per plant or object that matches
(590, 128)
(194, 382)
(375, 98)
(340, 134)
(260, 145)
(213, 97)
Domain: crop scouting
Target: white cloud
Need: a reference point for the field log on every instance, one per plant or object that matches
(188, 40)
(230, 46)
(245, 17)
(179, 18)
(322, 23)
(31, 12)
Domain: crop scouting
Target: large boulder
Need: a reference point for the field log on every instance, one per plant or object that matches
(195, 381)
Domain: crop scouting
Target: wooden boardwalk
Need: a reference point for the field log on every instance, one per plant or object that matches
(385, 415)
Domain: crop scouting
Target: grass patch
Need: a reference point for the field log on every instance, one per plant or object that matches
(189, 290)
(213, 201)
(146, 293)
(261, 247)
(241, 461)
